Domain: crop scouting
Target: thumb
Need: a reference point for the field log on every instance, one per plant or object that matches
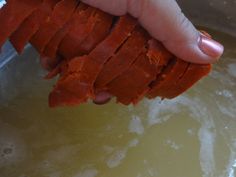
(165, 21)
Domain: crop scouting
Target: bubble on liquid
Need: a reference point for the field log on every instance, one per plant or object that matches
(158, 112)
(232, 168)
(172, 144)
(207, 159)
(191, 131)
(225, 93)
(134, 142)
(151, 172)
(116, 158)
(12, 147)
(228, 111)
(136, 125)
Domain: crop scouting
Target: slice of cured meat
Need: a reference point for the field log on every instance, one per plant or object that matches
(193, 73)
(167, 79)
(60, 15)
(12, 14)
(133, 84)
(30, 25)
(100, 31)
(70, 45)
(123, 58)
(157, 53)
(50, 57)
(82, 71)
(52, 47)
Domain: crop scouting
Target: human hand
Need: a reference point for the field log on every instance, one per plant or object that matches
(164, 20)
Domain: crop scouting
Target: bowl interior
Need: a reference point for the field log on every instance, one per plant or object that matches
(192, 135)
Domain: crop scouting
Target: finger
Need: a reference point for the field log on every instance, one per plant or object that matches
(165, 21)
(102, 98)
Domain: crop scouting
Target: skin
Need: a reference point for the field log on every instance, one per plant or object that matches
(164, 20)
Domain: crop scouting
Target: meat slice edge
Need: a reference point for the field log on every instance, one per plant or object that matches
(60, 15)
(31, 24)
(12, 14)
(82, 72)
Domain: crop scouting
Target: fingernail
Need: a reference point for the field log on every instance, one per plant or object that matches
(102, 98)
(210, 47)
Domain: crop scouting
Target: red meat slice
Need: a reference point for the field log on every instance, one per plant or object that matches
(49, 56)
(193, 73)
(82, 72)
(12, 14)
(167, 79)
(70, 45)
(133, 84)
(123, 59)
(100, 31)
(60, 15)
(30, 26)
(157, 53)
(52, 46)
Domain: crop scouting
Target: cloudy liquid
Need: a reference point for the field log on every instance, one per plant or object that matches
(191, 136)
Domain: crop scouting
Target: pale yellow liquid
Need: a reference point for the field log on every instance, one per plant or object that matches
(193, 135)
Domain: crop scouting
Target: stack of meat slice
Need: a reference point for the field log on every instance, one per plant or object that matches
(94, 52)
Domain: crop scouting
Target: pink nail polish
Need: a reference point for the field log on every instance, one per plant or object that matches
(102, 98)
(210, 47)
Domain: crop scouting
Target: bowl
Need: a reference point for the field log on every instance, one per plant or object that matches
(192, 135)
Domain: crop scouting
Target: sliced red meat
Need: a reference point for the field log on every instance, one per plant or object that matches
(72, 83)
(70, 45)
(52, 46)
(157, 53)
(12, 14)
(100, 31)
(50, 56)
(82, 71)
(114, 41)
(168, 78)
(30, 25)
(123, 58)
(193, 74)
(60, 15)
(134, 83)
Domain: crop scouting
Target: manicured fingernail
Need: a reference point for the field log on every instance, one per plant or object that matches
(210, 47)
(102, 98)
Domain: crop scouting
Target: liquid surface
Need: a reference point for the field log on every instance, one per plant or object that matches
(191, 136)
